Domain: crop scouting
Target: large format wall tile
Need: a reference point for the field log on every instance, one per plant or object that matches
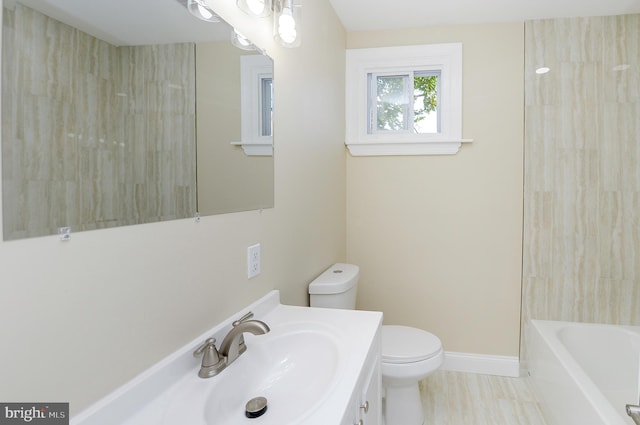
(582, 171)
(94, 135)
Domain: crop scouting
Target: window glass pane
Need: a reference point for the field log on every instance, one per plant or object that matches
(392, 103)
(266, 106)
(405, 102)
(426, 89)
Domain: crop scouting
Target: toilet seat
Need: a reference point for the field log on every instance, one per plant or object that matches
(403, 344)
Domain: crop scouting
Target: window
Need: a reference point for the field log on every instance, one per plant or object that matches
(256, 103)
(266, 105)
(404, 100)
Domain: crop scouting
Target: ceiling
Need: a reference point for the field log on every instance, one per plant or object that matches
(131, 22)
(365, 15)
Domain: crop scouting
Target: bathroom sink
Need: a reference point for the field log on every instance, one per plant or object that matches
(295, 367)
(308, 367)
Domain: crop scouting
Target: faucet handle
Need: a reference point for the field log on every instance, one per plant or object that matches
(212, 364)
(244, 318)
(211, 356)
(200, 350)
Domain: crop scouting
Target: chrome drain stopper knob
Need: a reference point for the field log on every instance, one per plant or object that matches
(255, 407)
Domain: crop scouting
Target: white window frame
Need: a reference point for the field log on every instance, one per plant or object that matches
(253, 70)
(447, 58)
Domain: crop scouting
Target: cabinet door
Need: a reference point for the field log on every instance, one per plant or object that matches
(351, 417)
(370, 408)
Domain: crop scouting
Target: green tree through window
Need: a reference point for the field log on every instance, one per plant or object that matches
(397, 110)
(425, 93)
(392, 103)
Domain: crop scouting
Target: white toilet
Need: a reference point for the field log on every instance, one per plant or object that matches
(408, 354)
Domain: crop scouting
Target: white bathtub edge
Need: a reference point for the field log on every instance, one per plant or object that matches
(484, 364)
(566, 393)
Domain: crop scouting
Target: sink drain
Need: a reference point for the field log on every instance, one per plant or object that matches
(255, 407)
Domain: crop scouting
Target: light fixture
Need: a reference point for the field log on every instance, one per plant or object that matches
(240, 41)
(200, 10)
(257, 8)
(286, 22)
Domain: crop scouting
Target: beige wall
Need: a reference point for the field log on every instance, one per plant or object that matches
(79, 318)
(438, 238)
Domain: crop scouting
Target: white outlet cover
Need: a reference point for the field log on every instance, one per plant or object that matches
(253, 261)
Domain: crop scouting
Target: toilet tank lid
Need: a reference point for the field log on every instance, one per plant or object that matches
(336, 279)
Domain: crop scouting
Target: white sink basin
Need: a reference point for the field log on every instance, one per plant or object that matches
(295, 367)
(307, 368)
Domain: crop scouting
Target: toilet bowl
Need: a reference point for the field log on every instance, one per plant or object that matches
(408, 354)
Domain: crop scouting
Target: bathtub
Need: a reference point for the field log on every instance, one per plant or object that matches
(584, 374)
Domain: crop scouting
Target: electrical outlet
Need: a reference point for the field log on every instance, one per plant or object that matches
(253, 260)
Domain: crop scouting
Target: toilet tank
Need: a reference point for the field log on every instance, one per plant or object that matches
(336, 287)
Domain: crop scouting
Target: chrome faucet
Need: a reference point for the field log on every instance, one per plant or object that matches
(233, 344)
(634, 412)
(214, 361)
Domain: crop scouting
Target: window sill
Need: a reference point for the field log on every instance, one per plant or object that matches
(434, 147)
(255, 148)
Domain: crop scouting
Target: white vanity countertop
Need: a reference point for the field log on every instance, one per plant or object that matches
(153, 397)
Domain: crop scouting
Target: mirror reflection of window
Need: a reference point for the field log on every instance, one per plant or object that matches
(266, 106)
(256, 94)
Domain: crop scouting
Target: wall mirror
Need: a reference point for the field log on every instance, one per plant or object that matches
(125, 112)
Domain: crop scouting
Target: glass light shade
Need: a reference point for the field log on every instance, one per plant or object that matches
(200, 10)
(286, 23)
(257, 8)
(240, 41)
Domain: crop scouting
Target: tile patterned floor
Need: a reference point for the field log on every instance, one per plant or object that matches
(455, 398)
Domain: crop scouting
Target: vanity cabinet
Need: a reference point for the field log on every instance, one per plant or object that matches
(365, 407)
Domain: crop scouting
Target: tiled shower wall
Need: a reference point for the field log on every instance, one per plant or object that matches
(582, 171)
(94, 135)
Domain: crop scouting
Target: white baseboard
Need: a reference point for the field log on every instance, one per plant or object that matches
(482, 364)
